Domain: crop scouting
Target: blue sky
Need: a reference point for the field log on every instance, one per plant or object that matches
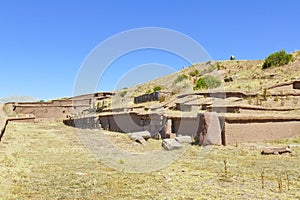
(44, 43)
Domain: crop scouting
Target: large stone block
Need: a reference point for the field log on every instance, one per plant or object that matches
(170, 144)
(210, 129)
(296, 85)
(213, 134)
(140, 140)
(145, 134)
(184, 139)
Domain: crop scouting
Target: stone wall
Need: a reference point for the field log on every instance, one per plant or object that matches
(58, 109)
(206, 128)
(186, 107)
(121, 122)
(154, 96)
(186, 126)
(296, 85)
(90, 122)
(240, 132)
(3, 123)
(132, 122)
(41, 111)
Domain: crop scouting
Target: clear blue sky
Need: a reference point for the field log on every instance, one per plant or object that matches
(44, 43)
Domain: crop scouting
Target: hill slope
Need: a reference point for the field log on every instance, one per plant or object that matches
(243, 75)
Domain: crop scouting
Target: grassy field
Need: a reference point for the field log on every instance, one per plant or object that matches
(47, 161)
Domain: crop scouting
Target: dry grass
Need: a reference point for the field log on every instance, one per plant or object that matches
(247, 76)
(123, 141)
(47, 161)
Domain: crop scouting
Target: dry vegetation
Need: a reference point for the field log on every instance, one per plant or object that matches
(47, 161)
(247, 76)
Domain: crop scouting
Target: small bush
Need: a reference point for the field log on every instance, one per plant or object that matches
(207, 82)
(180, 78)
(277, 59)
(162, 99)
(194, 73)
(209, 69)
(249, 100)
(156, 88)
(148, 91)
(123, 93)
(219, 66)
(176, 90)
(265, 94)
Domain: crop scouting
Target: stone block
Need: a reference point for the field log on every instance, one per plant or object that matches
(184, 139)
(145, 134)
(170, 144)
(213, 133)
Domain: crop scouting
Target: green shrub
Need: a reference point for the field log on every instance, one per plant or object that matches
(209, 69)
(207, 82)
(148, 91)
(156, 88)
(123, 93)
(219, 66)
(194, 73)
(277, 59)
(180, 78)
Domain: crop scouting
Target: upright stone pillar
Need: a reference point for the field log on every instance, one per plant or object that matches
(169, 126)
(213, 134)
(169, 133)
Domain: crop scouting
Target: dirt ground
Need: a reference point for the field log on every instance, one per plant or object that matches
(48, 161)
